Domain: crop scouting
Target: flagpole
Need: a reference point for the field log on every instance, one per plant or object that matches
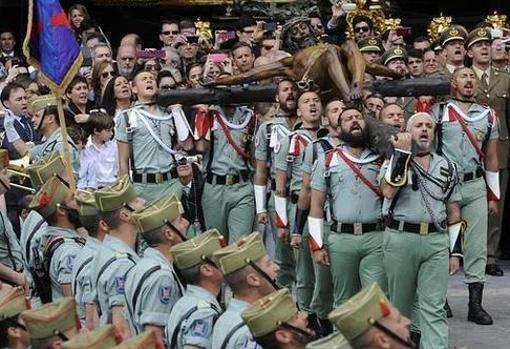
(65, 141)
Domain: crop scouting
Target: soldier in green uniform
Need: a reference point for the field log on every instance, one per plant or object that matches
(322, 299)
(10, 250)
(250, 273)
(147, 137)
(52, 324)
(349, 174)
(452, 42)
(190, 324)
(228, 200)
(83, 285)
(116, 204)
(421, 205)
(102, 337)
(371, 49)
(275, 322)
(494, 91)
(152, 286)
(289, 175)
(47, 123)
(13, 333)
(468, 135)
(60, 243)
(34, 226)
(267, 142)
(368, 320)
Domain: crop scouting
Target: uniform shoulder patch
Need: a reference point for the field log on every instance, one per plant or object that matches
(69, 261)
(120, 282)
(199, 328)
(164, 294)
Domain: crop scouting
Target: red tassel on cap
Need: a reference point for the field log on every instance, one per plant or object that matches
(28, 303)
(78, 323)
(159, 345)
(385, 308)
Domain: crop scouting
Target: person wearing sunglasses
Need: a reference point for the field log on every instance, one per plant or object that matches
(101, 74)
(363, 27)
(169, 31)
(152, 286)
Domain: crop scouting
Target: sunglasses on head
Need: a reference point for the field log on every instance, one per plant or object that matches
(363, 29)
(106, 74)
(168, 32)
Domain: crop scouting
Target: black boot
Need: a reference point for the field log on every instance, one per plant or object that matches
(416, 337)
(448, 310)
(326, 327)
(476, 313)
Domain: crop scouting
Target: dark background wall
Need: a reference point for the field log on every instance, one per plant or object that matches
(117, 20)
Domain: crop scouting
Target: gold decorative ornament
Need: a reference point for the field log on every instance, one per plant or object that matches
(497, 21)
(371, 9)
(391, 24)
(204, 29)
(437, 25)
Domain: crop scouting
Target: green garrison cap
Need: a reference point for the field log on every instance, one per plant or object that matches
(370, 45)
(86, 203)
(161, 212)
(333, 341)
(51, 318)
(45, 168)
(115, 196)
(189, 253)
(393, 53)
(51, 194)
(40, 102)
(12, 301)
(270, 312)
(454, 32)
(360, 312)
(101, 338)
(145, 340)
(239, 254)
(477, 35)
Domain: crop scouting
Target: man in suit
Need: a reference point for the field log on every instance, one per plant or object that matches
(494, 91)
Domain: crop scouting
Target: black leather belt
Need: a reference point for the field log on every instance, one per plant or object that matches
(355, 228)
(228, 179)
(421, 228)
(473, 175)
(151, 177)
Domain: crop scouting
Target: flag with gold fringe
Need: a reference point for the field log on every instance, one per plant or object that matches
(50, 44)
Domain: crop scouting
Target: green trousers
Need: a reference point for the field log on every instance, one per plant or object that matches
(305, 272)
(474, 212)
(417, 270)
(494, 230)
(152, 191)
(356, 262)
(322, 299)
(229, 208)
(284, 256)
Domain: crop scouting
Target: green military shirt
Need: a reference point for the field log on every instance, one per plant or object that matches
(149, 155)
(293, 147)
(224, 159)
(268, 139)
(316, 150)
(32, 231)
(411, 206)
(10, 249)
(54, 142)
(455, 144)
(497, 96)
(364, 205)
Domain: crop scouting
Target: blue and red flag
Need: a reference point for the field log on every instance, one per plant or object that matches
(50, 43)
